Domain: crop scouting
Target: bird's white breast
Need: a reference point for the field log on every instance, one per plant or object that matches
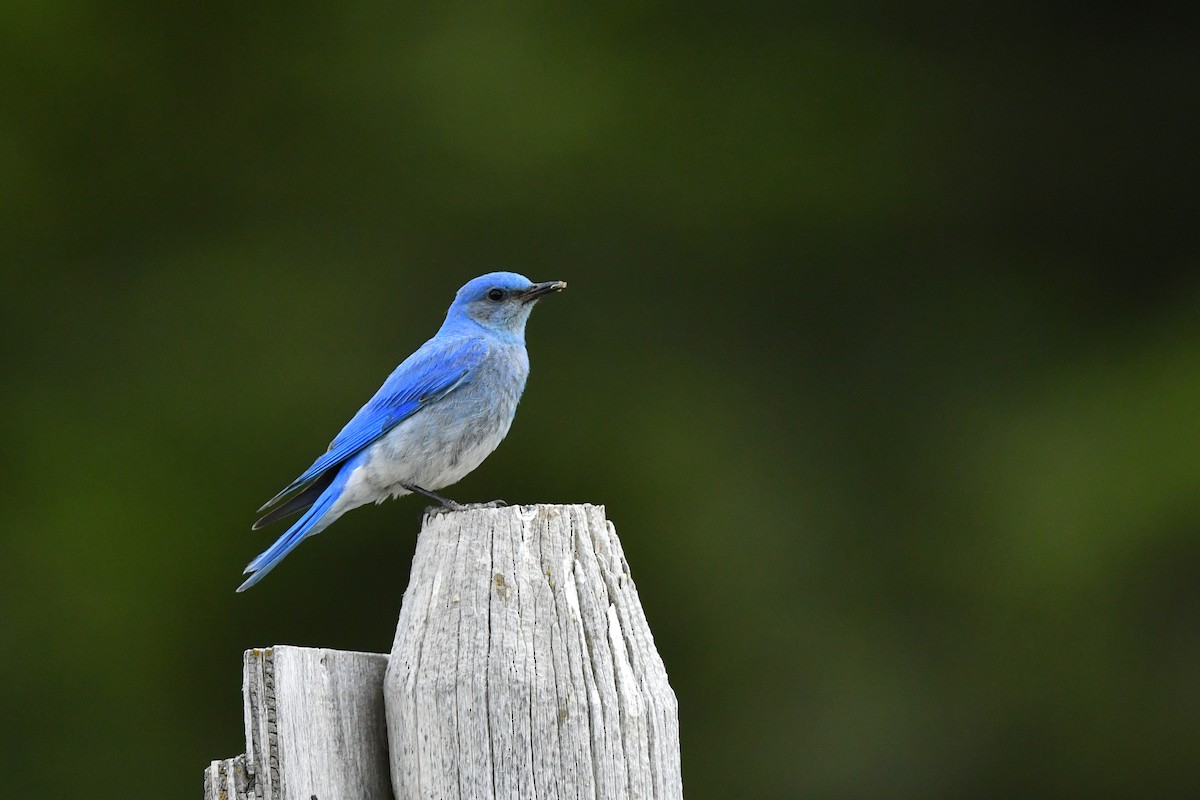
(443, 442)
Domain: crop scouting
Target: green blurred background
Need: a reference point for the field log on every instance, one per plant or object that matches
(881, 348)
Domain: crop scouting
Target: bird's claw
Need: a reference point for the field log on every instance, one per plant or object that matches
(489, 504)
(453, 506)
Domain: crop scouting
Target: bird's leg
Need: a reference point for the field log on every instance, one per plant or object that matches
(445, 501)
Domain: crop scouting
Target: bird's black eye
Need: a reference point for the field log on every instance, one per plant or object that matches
(496, 294)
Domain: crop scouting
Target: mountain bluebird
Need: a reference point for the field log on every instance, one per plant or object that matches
(436, 418)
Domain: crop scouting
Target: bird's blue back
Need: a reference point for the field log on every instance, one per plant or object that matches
(438, 367)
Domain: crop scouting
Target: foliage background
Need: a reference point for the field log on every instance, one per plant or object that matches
(881, 348)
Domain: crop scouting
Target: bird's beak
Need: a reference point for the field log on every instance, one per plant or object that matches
(539, 289)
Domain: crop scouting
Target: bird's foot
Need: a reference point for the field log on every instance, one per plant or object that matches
(449, 506)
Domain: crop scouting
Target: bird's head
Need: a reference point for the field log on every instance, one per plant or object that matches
(499, 301)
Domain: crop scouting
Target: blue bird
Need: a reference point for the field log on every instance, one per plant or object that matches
(435, 419)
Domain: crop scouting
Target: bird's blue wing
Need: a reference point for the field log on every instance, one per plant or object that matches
(435, 370)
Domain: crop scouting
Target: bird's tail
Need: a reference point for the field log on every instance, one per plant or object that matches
(313, 522)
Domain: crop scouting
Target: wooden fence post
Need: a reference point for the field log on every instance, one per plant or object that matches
(522, 667)
(314, 728)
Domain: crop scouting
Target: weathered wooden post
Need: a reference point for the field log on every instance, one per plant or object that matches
(314, 728)
(522, 667)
